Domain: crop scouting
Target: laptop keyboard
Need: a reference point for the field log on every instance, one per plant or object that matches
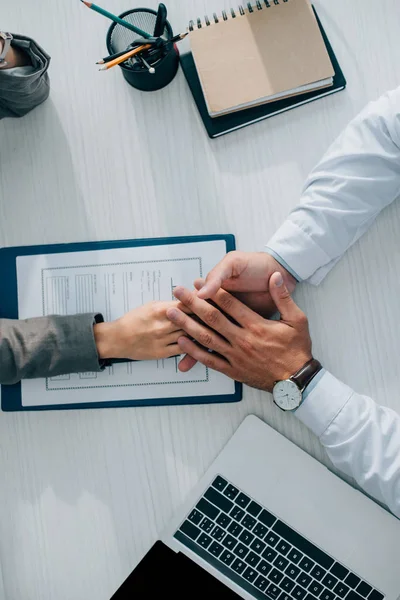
(261, 553)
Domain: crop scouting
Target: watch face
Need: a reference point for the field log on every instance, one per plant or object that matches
(287, 395)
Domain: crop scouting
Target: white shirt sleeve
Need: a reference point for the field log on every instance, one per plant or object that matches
(362, 438)
(358, 176)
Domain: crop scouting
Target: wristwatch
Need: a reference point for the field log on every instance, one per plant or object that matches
(288, 394)
(7, 37)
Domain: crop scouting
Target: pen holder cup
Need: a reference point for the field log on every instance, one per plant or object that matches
(165, 63)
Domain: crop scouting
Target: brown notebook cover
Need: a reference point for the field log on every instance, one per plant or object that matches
(260, 56)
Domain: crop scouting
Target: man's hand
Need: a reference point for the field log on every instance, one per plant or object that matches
(144, 333)
(254, 351)
(247, 275)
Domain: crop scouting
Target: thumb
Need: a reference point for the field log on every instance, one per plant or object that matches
(285, 304)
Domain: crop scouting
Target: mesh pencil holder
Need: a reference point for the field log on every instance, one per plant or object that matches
(165, 63)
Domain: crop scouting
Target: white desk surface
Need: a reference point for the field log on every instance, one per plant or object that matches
(84, 494)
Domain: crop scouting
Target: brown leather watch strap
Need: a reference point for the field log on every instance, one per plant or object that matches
(306, 374)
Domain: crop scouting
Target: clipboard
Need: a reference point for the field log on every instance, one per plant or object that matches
(11, 395)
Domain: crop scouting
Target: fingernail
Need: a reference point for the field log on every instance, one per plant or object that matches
(178, 292)
(172, 314)
(279, 280)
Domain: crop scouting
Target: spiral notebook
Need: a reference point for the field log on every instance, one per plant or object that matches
(259, 54)
(227, 122)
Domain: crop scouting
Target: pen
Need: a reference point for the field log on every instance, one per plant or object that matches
(160, 21)
(116, 19)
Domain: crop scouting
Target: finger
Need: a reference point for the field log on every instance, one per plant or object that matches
(202, 356)
(216, 277)
(285, 304)
(187, 363)
(206, 337)
(172, 338)
(241, 313)
(172, 350)
(210, 315)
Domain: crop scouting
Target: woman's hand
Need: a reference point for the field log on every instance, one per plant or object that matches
(144, 333)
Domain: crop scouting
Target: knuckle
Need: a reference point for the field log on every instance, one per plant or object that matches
(245, 344)
(205, 339)
(212, 316)
(256, 329)
(302, 319)
(209, 362)
(226, 301)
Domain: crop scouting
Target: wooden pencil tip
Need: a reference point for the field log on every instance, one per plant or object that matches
(100, 62)
(103, 68)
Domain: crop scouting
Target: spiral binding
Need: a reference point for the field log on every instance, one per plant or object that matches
(259, 5)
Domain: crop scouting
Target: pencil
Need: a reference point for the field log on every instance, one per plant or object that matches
(116, 19)
(177, 38)
(107, 59)
(124, 57)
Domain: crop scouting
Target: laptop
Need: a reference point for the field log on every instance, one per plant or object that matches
(268, 522)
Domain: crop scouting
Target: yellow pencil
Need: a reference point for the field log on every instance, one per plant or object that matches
(125, 57)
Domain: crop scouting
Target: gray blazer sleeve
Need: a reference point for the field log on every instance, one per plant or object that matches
(24, 88)
(47, 346)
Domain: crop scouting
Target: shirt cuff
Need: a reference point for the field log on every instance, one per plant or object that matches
(283, 263)
(303, 256)
(323, 403)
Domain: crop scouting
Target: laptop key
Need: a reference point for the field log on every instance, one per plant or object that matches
(218, 499)
(195, 517)
(295, 556)
(304, 580)
(223, 520)
(310, 597)
(298, 593)
(292, 571)
(287, 584)
(352, 595)
(235, 529)
(330, 581)
(237, 513)
(215, 549)
(327, 595)
(254, 509)
(363, 589)
(241, 550)
(246, 537)
(283, 547)
(340, 571)
(219, 483)
(266, 518)
(281, 563)
(269, 554)
(227, 557)
(231, 492)
(302, 544)
(306, 564)
(315, 588)
(261, 583)
(238, 565)
(284, 596)
(258, 546)
(271, 538)
(190, 530)
(275, 576)
(242, 500)
(260, 530)
(264, 568)
(206, 508)
(229, 542)
(318, 573)
(250, 574)
(352, 580)
(272, 591)
(206, 525)
(218, 533)
(248, 521)
(375, 595)
(204, 540)
(253, 559)
(341, 589)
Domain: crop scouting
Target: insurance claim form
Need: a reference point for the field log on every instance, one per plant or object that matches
(112, 282)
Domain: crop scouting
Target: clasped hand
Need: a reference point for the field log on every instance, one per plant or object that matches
(246, 347)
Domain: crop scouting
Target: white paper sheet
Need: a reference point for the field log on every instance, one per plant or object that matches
(113, 282)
